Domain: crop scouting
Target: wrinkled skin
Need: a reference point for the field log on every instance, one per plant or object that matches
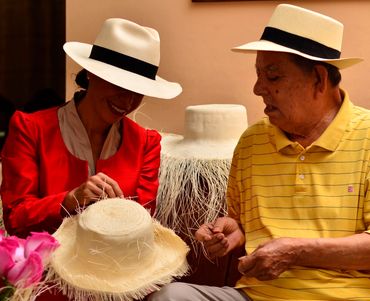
(220, 237)
(269, 260)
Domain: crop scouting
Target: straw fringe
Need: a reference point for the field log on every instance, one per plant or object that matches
(22, 295)
(191, 192)
(30, 293)
(79, 294)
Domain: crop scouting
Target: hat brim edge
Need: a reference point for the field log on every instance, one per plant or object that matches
(159, 88)
(164, 274)
(176, 146)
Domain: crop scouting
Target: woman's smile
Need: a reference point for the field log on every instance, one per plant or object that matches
(116, 109)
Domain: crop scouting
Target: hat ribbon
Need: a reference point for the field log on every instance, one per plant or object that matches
(299, 43)
(123, 61)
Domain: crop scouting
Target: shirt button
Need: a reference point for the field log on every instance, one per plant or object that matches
(302, 158)
(301, 176)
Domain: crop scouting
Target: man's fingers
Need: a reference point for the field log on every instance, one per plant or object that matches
(247, 266)
(204, 233)
(217, 250)
(219, 224)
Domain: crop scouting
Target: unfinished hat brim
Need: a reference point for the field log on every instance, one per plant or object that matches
(159, 88)
(168, 261)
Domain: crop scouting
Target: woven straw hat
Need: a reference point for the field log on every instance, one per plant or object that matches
(125, 54)
(211, 131)
(195, 167)
(303, 32)
(114, 250)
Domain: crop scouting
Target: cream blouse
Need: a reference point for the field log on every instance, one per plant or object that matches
(77, 141)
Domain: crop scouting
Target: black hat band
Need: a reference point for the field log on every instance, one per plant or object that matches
(123, 61)
(299, 43)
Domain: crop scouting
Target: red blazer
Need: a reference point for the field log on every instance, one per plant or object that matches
(38, 170)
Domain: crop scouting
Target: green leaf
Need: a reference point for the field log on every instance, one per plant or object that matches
(6, 290)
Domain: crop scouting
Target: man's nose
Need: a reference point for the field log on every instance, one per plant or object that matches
(258, 88)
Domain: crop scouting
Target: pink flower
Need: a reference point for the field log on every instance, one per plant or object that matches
(42, 243)
(26, 272)
(22, 261)
(10, 244)
(6, 261)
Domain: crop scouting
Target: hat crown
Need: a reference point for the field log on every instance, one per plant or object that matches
(308, 24)
(127, 55)
(215, 122)
(131, 39)
(293, 29)
(114, 250)
(115, 235)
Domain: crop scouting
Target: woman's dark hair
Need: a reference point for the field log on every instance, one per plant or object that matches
(307, 65)
(82, 81)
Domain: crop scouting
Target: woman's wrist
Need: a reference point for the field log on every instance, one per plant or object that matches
(69, 204)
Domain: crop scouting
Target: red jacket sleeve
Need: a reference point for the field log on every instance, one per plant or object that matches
(148, 180)
(24, 209)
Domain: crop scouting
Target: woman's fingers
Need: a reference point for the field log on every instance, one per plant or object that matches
(95, 188)
(107, 185)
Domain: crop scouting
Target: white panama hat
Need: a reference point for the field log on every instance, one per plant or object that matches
(300, 31)
(125, 54)
(211, 131)
(114, 250)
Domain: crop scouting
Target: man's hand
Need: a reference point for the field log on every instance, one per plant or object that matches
(270, 259)
(220, 237)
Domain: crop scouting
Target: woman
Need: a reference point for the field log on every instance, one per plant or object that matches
(59, 160)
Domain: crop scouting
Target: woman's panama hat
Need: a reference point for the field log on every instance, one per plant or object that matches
(125, 54)
(114, 250)
(303, 32)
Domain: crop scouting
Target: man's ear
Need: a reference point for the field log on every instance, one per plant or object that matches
(321, 78)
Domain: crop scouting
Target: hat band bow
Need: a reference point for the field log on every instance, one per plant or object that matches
(299, 43)
(123, 61)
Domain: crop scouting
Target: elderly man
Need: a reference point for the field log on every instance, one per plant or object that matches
(298, 191)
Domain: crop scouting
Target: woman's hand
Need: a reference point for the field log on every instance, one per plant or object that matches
(220, 237)
(96, 187)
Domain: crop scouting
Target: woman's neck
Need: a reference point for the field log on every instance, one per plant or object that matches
(97, 131)
(93, 124)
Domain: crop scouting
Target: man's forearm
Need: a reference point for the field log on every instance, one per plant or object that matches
(345, 253)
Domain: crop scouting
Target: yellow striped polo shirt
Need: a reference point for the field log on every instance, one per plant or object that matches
(277, 188)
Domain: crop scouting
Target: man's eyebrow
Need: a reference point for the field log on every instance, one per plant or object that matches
(271, 67)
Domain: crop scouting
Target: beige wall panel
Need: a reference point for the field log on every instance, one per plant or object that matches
(195, 49)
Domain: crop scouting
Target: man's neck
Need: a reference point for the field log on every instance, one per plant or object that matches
(306, 136)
